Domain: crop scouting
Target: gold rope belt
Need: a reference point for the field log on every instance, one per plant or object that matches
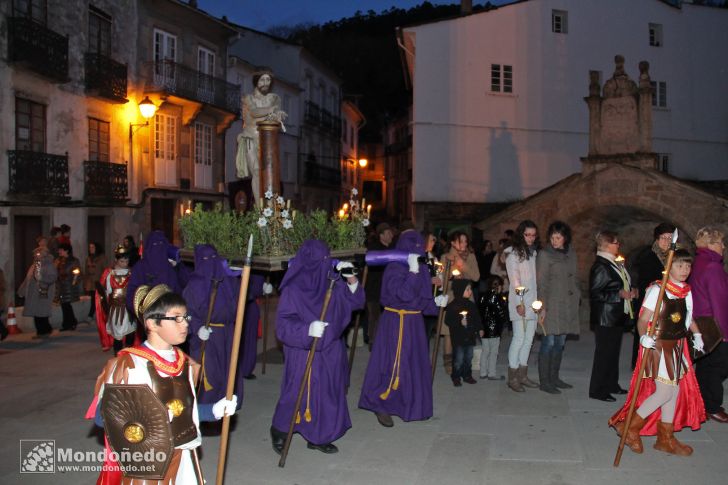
(205, 382)
(394, 379)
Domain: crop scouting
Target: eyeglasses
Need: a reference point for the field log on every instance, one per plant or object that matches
(176, 318)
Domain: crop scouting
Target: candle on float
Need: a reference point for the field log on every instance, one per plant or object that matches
(364, 202)
(341, 213)
(288, 204)
(369, 211)
(293, 216)
(346, 206)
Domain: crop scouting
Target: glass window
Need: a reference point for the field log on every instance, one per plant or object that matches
(98, 140)
(29, 125)
(559, 21)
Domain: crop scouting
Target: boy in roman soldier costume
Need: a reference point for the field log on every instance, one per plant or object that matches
(114, 321)
(145, 400)
(669, 398)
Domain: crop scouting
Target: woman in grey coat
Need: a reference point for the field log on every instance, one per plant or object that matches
(38, 289)
(559, 291)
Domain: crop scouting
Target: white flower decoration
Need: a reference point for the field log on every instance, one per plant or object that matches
(262, 222)
(365, 222)
(284, 213)
(267, 212)
(287, 224)
(269, 194)
(281, 200)
(354, 192)
(352, 203)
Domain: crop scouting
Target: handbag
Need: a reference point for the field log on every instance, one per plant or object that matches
(712, 336)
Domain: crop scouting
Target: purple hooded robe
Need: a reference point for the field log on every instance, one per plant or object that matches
(153, 268)
(402, 290)
(216, 362)
(303, 289)
(249, 345)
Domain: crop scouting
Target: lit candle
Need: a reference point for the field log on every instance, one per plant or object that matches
(537, 305)
(346, 206)
(293, 216)
(369, 211)
(619, 259)
(456, 272)
(363, 202)
(288, 204)
(341, 213)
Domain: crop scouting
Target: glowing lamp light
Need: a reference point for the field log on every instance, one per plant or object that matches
(147, 108)
(537, 305)
(464, 313)
(456, 272)
(76, 271)
(363, 162)
(619, 259)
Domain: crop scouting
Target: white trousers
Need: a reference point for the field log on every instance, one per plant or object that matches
(521, 343)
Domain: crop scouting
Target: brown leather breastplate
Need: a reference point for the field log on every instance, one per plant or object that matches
(176, 394)
(672, 319)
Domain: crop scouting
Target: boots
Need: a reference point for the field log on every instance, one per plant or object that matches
(633, 439)
(555, 366)
(513, 381)
(447, 361)
(523, 377)
(667, 442)
(545, 364)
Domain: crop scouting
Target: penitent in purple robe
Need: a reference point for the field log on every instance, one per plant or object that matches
(402, 290)
(153, 269)
(249, 345)
(303, 290)
(216, 361)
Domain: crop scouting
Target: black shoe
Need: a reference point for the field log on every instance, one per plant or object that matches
(607, 398)
(250, 377)
(385, 419)
(470, 380)
(620, 391)
(457, 382)
(66, 329)
(278, 439)
(328, 448)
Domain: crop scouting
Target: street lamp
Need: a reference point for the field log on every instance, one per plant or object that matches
(363, 162)
(147, 108)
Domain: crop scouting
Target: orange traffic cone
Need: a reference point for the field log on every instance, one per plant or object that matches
(12, 323)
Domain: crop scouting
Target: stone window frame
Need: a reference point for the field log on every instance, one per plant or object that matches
(99, 140)
(559, 21)
(31, 117)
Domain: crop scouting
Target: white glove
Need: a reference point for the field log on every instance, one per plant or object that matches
(414, 264)
(441, 301)
(316, 329)
(224, 407)
(343, 264)
(267, 288)
(647, 342)
(172, 262)
(204, 333)
(698, 342)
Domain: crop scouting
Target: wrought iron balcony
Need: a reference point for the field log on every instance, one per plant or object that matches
(38, 176)
(312, 113)
(39, 48)
(105, 182)
(105, 77)
(315, 174)
(179, 80)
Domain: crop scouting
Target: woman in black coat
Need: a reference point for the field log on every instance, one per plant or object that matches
(610, 295)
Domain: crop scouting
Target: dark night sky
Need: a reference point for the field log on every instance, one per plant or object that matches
(263, 14)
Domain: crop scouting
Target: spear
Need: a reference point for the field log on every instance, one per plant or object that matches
(306, 373)
(245, 278)
(210, 307)
(650, 332)
(356, 324)
(440, 318)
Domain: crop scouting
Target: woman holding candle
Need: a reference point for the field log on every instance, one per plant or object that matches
(69, 278)
(558, 289)
(521, 268)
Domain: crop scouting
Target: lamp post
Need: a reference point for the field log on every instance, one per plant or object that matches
(147, 109)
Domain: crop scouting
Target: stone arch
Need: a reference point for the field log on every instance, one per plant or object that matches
(628, 199)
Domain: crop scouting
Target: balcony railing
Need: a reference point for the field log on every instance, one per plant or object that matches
(38, 176)
(39, 48)
(105, 182)
(315, 174)
(312, 113)
(105, 77)
(188, 83)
